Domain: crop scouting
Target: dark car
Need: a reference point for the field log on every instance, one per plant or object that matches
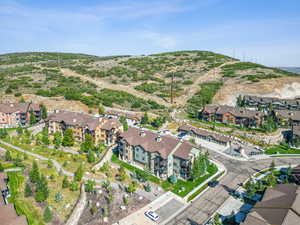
(213, 183)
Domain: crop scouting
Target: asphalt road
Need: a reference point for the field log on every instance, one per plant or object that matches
(237, 172)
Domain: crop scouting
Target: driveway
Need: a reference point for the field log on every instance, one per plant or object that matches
(165, 206)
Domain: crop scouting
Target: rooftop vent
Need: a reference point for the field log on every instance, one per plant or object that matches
(158, 138)
(142, 133)
(74, 120)
(11, 105)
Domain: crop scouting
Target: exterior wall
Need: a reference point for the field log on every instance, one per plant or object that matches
(108, 137)
(16, 119)
(137, 156)
(231, 119)
(182, 167)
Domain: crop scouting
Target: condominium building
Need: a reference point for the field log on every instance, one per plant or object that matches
(18, 114)
(232, 115)
(276, 103)
(163, 155)
(101, 129)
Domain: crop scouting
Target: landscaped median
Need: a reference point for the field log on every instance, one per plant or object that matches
(282, 149)
(181, 188)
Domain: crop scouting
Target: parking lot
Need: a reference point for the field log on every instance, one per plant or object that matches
(165, 206)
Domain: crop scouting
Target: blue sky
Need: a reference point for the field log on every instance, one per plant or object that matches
(263, 31)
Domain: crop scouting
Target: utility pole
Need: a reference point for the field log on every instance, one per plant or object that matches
(171, 94)
(58, 61)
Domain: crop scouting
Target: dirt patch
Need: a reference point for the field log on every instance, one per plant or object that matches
(285, 87)
(51, 103)
(98, 208)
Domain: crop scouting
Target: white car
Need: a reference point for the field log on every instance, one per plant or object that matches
(152, 215)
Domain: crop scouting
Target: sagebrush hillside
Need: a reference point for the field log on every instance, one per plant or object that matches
(133, 82)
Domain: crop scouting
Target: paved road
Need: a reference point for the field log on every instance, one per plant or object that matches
(238, 171)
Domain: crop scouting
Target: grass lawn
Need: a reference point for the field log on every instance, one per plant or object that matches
(196, 193)
(24, 206)
(149, 126)
(279, 149)
(187, 186)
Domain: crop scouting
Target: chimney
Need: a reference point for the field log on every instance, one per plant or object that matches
(158, 139)
(56, 110)
(142, 133)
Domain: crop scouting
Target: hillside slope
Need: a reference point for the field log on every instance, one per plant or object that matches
(137, 82)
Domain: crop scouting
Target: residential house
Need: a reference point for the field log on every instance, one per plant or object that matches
(232, 115)
(286, 118)
(275, 103)
(8, 213)
(280, 206)
(163, 155)
(18, 114)
(102, 129)
(205, 135)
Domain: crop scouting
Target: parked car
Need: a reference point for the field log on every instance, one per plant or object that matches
(213, 183)
(152, 215)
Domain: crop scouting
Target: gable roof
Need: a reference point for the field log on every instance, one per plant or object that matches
(268, 100)
(280, 205)
(204, 133)
(149, 141)
(184, 150)
(109, 124)
(236, 111)
(21, 107)
(74, 118)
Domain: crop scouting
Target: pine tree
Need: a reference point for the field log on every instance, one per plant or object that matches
(32, 118)
(101, 110)
(34, 173)
(145, 119)
(8, 156)
(74, 186)
(91, 157)
(89, 186)
(57, 139)
(272, 166)
(68, 139)
(19, 131)
(42, 191)
(44, 111)
(124, 122)
(65, 183)
(45, 137)
(78, 174)
(47, 215)
(88, 143)
(28, 191)
(3, 133)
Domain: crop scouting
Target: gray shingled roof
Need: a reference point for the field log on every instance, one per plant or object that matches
(148, 140)
(205, 133)
(237, 112)
(279, 206)
(18, 107)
